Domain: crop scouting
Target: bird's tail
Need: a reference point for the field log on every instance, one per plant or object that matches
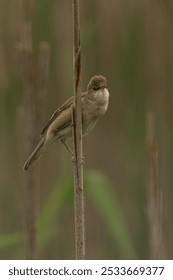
(36, 154)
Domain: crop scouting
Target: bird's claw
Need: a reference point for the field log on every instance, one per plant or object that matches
(73, 159)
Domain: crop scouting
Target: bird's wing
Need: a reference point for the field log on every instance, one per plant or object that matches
(58, 112)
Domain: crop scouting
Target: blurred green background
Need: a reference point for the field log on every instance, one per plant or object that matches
(131, 43)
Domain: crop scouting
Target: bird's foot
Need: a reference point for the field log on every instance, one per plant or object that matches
(73, 159)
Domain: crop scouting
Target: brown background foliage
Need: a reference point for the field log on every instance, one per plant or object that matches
(131, 43)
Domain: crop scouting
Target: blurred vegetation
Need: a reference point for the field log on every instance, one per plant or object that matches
(131, 43)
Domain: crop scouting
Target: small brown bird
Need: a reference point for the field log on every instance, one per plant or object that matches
(94, 104)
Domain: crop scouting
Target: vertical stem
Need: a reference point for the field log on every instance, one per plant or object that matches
(43, 72)
(77, 137)
(20, 152)
(25, 52)
(28, 121)
(154, 194)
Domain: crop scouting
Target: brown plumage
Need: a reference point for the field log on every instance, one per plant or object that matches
(94, 104)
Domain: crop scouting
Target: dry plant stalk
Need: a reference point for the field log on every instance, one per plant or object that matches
(28, 131)
(77, 138)
(43, 72)
(32, 178)
(154, 194)
(20, 153)
(25, 54)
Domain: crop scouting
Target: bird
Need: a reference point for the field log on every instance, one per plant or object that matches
(94, 104)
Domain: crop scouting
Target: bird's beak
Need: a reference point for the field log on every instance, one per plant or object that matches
(103, 86)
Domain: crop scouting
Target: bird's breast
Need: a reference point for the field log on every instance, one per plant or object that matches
(94, 107)
(102, 96)
(98, 102)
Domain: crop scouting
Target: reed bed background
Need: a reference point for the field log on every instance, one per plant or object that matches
(131, 43)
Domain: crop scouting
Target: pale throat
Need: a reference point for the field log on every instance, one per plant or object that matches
(102, 96)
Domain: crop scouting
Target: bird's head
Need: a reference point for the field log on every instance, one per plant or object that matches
(96, 83)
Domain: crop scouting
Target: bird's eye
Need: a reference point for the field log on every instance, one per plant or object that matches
(95, 87)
